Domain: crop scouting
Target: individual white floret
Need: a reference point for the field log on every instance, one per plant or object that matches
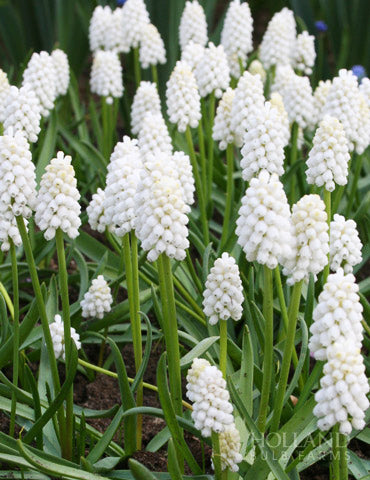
(95, 211)
(236, 35)
(152, 50)
(328, 159)
(106, 75)
(212, 72)
(185, 175)
(230, 448)
(276, 101)
(134, 18)
(153, 135)
(17, 186)
(312, 240)
(4, 91)
(256, 68)
(57, 336)
(41, 75)
(183, 99)
(263, 228)
(223, 296)
(342, 397)
(61, 66)
(248, 101)
(337, 314)
(161, 213)
(22, 112)
(146, 99)
(206, 388)
(279, 40)
(122, 180)
(222, 130)
(193, 25)
(192, 54)
(263, 144)
(319, 98)
(57, 200)
(304, 53)
(345, 244)
(364, 89)
(98, 299)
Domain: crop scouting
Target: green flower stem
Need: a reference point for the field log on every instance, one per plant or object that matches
(343, 466)
(202, 152)
(63, 285)
(287, 355)
(229, 194)
(335, 470)
(137, 67)
(198, 186)
(155, 75)
(193, 273)
(43, 317)
(216, 456)
(7, 300)
(268, 350)
(293, 159)
(338, 194)
(211, 117)
(223, 346)
(186, 295)
(358, 168)
(170, 330)
(13, 256)
(105, 126)
(241, 66)
(270, 76)
(327, 201)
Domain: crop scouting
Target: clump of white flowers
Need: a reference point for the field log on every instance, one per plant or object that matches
(41, 75)
(99, 28)
(236, 35)
(312, 239)
(153, 135)
(184, 171)
(193, 24)
(22, 112)
(57, 336)
(230, 448)
(304, 53)
(151, 50)
(98, 299)
(212, 72)
(57, 200)
(263, 228)
(17, 186)
(183, 99)
(256, 68)
(106, 75)
(223, 296)
(146, 99)
(61, 65)
(4, 91)
(328, 159)
(222, 130)
(342, 397)
(319, 98)
(192, 54)
(122, 180)
(95, 211)
(134, 18)
(345, 244)
(263, 144)
(278, 42)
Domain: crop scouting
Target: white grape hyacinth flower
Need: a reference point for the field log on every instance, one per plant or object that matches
(342, 397)
(192, 54)
(95, 211)
(363, 132)
(223, 296)
(99, 27)
(184, 169)
(57, 200)
(276, 101)
(57, 336)
(364, 88)
(230, 448)
(328, 159)
(122, 180)
(206, 388)
(4, 91)
(345, 244)
(22, 112)
(106, 76)
(236, 35)
(310, 230)
(222, 131)
(337, 314)
(264, 228)
(61, 66)
(135, 17)
(193, 25)
(146, 99)
(98, 299)
(153, 135)
(304, 53)
(41, 75)
(319, 98)
(212, 72)
(256, 68)
(151, 50)
(183, 99)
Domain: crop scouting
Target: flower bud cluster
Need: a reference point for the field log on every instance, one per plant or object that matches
(57, 336)
(4, 92)
(106, 30)
(151, 51)
(61, 66)
(304, 53)
(276, 101)
(146, 99)
(345, 244)
(193, 24)
(223, 296)
(95, 211)
(256, 68)
(364, 89)
(184, 171)
(328, 159)
(222, 131)
(57, 200)
(98, 299)
(183, 100)
(236, 35)
(263, 228)
(230, 448)
(192, 54)
(319, 98)
(212, 71)
(134, 18)
(106, 75)
(153, 135)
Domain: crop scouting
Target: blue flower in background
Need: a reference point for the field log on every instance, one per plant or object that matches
(359, 71)
(321, 26)
(121, 2)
